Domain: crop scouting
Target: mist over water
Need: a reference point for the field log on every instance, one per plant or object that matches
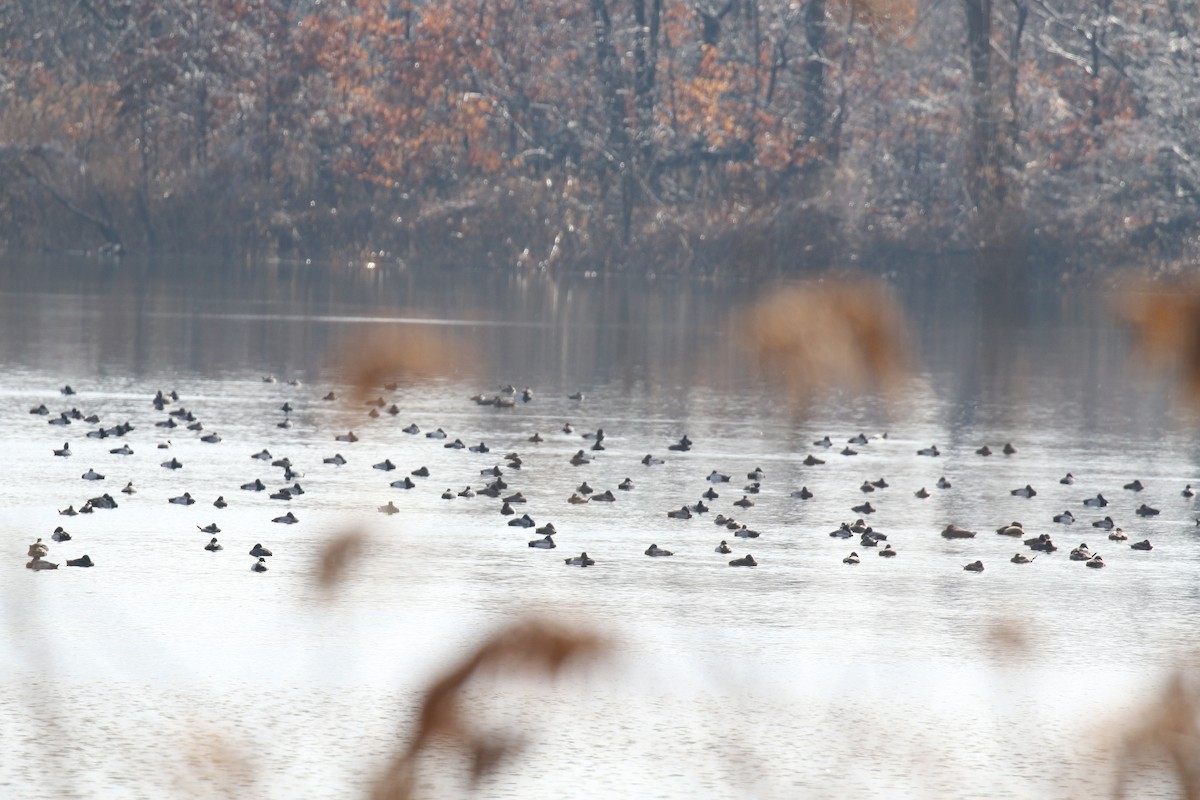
(726, 682)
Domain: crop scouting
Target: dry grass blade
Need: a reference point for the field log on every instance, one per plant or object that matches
(530, 647)
(387, 355)
(1165, 320)
(1168, 729)
(814, 336)
(336, 556)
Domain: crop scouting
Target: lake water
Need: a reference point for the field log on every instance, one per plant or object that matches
(169, 671)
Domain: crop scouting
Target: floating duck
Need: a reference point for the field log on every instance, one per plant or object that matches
(580, 560)
(655, 551)
(745, 561)
(974, 566)
(851, 559)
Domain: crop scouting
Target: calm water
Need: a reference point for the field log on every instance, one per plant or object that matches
(169, 671)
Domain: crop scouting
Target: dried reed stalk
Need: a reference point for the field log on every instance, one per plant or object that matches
(527, 647)
(1169, 728)
(818, 335)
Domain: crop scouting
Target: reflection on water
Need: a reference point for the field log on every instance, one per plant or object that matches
(757, 682)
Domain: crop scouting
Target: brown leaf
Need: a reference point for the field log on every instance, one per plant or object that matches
(337, 554)
(1165, 321)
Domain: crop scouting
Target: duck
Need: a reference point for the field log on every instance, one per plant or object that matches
(580, 560)
(921, 493)
(386, 465)
(607, 497)
(259, 566)
(847, 451)
(710, 494)
(887, 551)
(852, 559)
(174, 463)
(929, 451)
(37, 563)
(388, 509)
(1096, 502)
(942, 483)
(467, 492)
(60, 535)
(210, 528)
(1009, 450)
(861, 438)
(526, 394)
(405, 483)
(1065, 518)
(580, 458)
(682, 513)
(507, 510)
(436, 434)
(545, 543)
(842, 532)
(1104, 524)
(746, 533)
(64, 451)
(953, 531)
(974, 566)
(39, 549)
(184, 499)
(880, 484)
(258, 551)
(213, 545)
(349, 436)
(745, 561)
(745, 502)
(866, 487)
(1021, 558)
(479, 448)
(103, 501)
(867, 540)
(626, 485)
(457, 444)
(1025, 491)
(1067, 480)
(576, 500)
(802, 493)
(717, 477)
(1042, 543)
(1187, 491)
(654, 551)
(984, 451)
(330, 397)
(1134, 486)
(336, 459)
(255, 485)
(420, 472)
(536, 438)
(220, 502)
(1013, 529)
(682, 446)
(515, 498)
(69, 511)
(286, 423)
(825, 442)
(1144, 544)
(1081, 553)
(723, 548)
(287, 519)
(575, 396)
(123, 450)
(1118, 535)
(40, 410)
(1095, 562)
(812, 461)
(1146, 511)
(92, 475)
(523, 521)
(865, 508)
(83, 561)
(756, 474)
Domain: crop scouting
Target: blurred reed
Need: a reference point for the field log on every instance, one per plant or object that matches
(532, 647)
(1164, 317)
(829, 334)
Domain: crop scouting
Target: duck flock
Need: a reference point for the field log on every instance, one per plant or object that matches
(501, 484)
